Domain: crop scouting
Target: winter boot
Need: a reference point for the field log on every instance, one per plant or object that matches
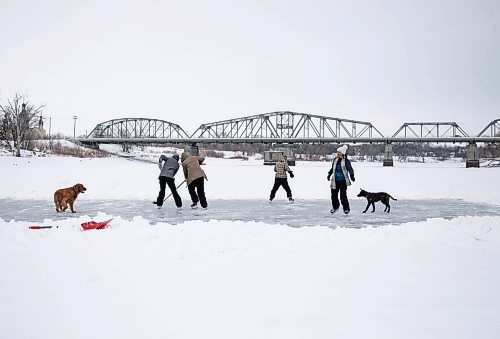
(334, 210)
(291, 200)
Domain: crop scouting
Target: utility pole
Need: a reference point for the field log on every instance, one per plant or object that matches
(74, 126)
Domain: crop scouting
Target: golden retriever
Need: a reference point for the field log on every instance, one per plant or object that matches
(65, 196)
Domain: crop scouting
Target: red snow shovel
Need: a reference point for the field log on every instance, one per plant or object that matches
(95, 225)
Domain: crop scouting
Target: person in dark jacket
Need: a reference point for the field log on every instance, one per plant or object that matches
(195, 177)
(339, 173)
(280, 179)
(168, 167)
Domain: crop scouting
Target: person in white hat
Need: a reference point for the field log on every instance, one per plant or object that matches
(340, 176)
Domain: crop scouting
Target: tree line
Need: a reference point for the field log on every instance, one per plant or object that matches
(20, 123)
(369, 152)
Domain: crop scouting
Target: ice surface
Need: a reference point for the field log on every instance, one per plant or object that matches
(280, 211)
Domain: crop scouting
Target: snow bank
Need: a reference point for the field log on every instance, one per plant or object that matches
(250, 280)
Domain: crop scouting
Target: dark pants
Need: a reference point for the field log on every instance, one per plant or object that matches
(171, 184)
(280, 182)
(342, 187)
(199, 194)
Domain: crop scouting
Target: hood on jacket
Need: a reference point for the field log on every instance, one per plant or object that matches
(184, 156)
(176, 157)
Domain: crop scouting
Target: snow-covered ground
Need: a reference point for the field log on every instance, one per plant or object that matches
(219, 277)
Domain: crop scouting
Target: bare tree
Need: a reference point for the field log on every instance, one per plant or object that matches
(19, 121)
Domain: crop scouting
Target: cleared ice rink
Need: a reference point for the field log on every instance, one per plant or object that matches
(280, 211)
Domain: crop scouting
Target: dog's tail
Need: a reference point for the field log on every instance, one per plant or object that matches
(390, 196)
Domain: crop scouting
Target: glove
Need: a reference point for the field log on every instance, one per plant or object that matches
(328, 178)
(353, 180)
(291, 174)
(160, 166)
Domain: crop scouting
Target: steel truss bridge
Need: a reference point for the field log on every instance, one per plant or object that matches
(282, 127)
(137, 128)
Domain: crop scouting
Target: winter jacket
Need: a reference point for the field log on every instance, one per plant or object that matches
(281, 168)
(170, 167)
(346, 169)
(338, 172)
(191, 167)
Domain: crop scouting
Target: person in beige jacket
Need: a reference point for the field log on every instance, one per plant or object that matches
(281, 168)
(195, 178)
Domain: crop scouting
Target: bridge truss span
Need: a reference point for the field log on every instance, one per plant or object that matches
(137, 128)
(286, 125)
(282, 127)
(492, 130)
(430, 130)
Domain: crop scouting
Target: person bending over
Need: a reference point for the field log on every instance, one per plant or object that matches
(195, 177)
(168, 167)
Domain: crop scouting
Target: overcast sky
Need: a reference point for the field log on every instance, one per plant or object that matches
(190, 62)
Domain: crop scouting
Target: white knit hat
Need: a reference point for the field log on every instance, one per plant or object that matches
(342, 149)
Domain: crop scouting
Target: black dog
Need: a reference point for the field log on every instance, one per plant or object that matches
(374, 197)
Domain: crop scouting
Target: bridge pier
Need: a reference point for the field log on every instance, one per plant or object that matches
(388, 156)
(94, 145)
(192, 150)
(271, 157)
(472, 156)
